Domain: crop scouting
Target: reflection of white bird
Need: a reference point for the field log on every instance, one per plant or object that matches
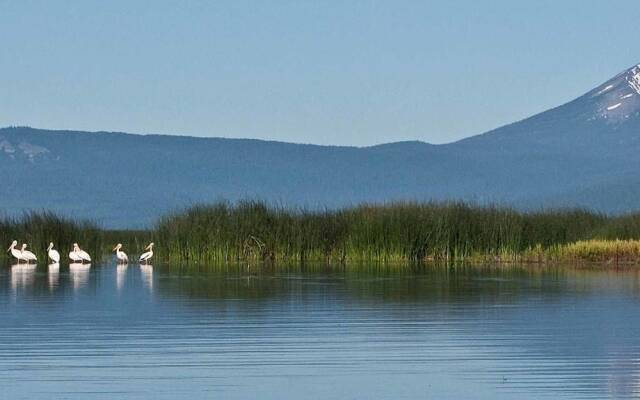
(54, 275)
(79, 255)
(17, 254)
(53, 254)
(121, 255)
(121, 273)
(27, 255)
(147, 256)
(147, 275)
(79, 274)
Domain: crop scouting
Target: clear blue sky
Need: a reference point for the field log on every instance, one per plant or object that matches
(330, 72)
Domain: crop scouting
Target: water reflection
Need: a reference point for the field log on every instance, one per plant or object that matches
(121, 274)
(22, 276)
(54, 275)
(486, 333)
(146, 272)
(79, 274)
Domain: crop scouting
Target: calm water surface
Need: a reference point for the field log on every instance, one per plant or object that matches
(166, 332)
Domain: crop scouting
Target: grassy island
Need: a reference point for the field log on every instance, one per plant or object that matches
(252, 231)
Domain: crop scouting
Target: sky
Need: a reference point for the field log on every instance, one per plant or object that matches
(325, 72)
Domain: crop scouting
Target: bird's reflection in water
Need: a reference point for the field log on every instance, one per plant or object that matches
(121, 274)
(54, 275)
(147, 275)
(22, 275)
(79, 274)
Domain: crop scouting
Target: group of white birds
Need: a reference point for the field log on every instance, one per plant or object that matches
(77, 255)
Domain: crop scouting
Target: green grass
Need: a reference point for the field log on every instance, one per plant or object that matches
(37, 229)
(252, 232)
(398, 232)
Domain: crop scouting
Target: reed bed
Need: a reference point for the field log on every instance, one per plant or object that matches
(397, 232)
(37, 229)
(616, 251)
(254, 232)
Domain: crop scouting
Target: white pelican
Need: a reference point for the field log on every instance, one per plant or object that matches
(79, 255)
(27, 255)
(17, 254)
(147, 256)
(75, 257)
(121, 255)
(53, 254)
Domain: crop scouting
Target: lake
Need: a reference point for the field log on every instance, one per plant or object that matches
(169, 332)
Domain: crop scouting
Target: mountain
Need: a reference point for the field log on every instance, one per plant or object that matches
(581, 154)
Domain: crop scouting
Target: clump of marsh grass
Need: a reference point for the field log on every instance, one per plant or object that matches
(403, 232)
(396, 232)
(598, 250)
(39, 228)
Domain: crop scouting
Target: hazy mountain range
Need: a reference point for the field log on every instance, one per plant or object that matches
(582, 154)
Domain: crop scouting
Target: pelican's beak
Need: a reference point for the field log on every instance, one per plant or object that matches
(148, 247)
(114, 249)
(9, 249)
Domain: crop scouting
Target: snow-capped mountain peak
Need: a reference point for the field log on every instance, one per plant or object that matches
(634, 78)
(619, 98)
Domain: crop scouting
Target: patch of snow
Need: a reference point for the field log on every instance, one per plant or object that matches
(634, 79)
(626, 96)
(32, 150)
(609, 87)
(7, 147)
(613, 107)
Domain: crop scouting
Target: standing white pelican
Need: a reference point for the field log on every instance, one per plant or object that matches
(74, 256)
(27, 255)
(79, 255)
(53, 254)
(17, 254)
(147, 256)
(121, 255)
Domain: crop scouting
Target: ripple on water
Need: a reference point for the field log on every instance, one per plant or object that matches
(147, 332)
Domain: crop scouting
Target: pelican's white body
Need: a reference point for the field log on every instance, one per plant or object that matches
(27, 255)
(53, 254)
(121, 255)
(84, 255)
(17, 254)
(147, 256)
(79, 255)
(75, 257)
